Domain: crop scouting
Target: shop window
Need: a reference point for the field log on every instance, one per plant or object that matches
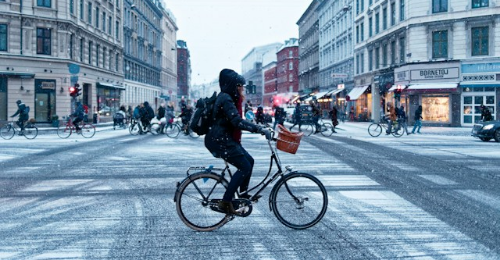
(43, 41)
(479, 40)
(436, 108)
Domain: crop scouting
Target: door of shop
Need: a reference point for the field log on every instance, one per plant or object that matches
(471, 102)
(45, 100)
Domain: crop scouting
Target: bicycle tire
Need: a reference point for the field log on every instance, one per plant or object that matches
(155, 128)
(88, 130)
(7, 132)
(299, 200)
(172, 131)
(374, 129)
(327, 129)
(398, 131)
(64, 132)
(309, 129)
(134, 129)
(193, 197)
(30, 132)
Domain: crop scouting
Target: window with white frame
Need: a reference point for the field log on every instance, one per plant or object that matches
(480, 41)
(440, 44)
(439, 6)
(480, 3)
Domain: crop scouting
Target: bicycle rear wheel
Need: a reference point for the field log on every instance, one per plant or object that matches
(397, 130)
(64, 132)
(134, 128)
(194, 198)
(7, 132)
(327, 129)
(30, 132)
(299, 200)
(172, 130)
(155, 128)
(88, 130)
(374, 129)
(307, 129)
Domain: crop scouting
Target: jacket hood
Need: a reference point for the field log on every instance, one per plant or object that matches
(228, 79)
(146, 104)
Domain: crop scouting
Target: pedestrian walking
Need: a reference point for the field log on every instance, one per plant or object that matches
(297, 117)
(418, 120)
(333, 115)
(279, 116)
(402, 119)
(316, 114)
(485, 114)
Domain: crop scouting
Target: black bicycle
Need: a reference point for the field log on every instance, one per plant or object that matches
(298, 200)
(9, 130)
(375, 129)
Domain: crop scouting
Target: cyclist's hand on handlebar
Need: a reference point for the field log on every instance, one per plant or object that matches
(266, 132)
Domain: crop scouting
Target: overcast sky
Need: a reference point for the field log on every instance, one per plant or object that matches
(219, 33)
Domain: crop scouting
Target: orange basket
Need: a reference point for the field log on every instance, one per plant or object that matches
(288, 141)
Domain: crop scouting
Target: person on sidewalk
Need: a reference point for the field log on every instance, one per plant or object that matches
(402, 118)
(316, 114)
(485, 114)
(418, 120)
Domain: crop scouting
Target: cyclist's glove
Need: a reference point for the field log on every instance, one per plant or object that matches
(266, 132)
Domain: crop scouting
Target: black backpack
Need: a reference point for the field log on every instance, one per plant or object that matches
(26, 110)
(202, 118)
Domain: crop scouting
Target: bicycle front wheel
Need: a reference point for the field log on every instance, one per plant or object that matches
(64, 132)
(307, 129)
(327, 129)
(374, 129)
(88, 130)
(194, 198)
(30, 132)
(172, 130)
(7, 132)
(134, 128)
(299, 200)
(398, 131)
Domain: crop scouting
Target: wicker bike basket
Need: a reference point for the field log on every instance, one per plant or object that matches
(288, 141)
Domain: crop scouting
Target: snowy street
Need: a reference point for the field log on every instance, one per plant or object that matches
(430, 196)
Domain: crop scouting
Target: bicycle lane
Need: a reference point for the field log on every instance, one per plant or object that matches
(404, 214)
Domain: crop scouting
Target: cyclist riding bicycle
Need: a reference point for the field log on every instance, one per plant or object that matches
(23, 115)
(186, 113)
(78, 114)
(224, 137)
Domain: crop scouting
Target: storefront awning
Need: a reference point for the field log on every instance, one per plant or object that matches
(321, 94)
(109, 85)
(463, 85)
(17, 75)
(356, 92)
(394, 87)
(334, 92)
(433, 86)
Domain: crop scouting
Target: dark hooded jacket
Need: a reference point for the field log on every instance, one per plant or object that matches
(219, 140)
(150, 113)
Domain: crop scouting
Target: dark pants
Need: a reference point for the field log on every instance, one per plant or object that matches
(297, 122)
(20, 122)
(316, 124)
(76, 121)
(241, 178)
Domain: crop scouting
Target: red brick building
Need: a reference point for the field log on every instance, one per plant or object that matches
(270, 84)
(287, 71)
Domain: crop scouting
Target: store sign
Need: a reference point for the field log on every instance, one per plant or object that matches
(339, 75)
(439, 73)
(480, 68)
(48, 85)
(402, 76)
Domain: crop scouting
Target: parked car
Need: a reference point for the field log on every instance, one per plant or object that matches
(487, 130)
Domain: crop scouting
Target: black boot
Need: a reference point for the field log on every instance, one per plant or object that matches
(227, 207)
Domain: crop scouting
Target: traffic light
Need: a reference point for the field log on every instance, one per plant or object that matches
(75, 90)
(397, 92)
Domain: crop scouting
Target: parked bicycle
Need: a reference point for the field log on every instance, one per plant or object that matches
(298, 200)
(87, 130)
(326, 128)
(375, 129)
(9, 130)
(136, 125)
(174, 129)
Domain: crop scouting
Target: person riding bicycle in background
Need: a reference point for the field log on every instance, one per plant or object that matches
(78, 114)
(23, 115)
(402, 118)
(185, 116)
(485, 114)
(170, 113)
(316, 114)
(391, 117)
(297, 116)
(224, 137)
(149, 115)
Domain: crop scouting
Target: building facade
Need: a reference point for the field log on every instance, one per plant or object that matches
(309, 49)
(143, 51)
(251, 66)
(287, 69)
(48, 46)
(443, 54)
(336, 48)
(169, 57)
(270, 82)
(183, 70)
